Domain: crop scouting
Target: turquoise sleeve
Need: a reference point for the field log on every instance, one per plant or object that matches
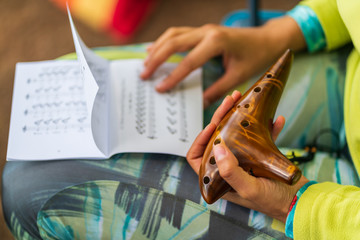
(310, 27)
(291, 214)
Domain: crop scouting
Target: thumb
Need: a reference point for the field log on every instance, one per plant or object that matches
(243, 183)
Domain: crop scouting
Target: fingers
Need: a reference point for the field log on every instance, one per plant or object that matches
(168, 34)
(225, 106)
(236, 95)
(277, 127)
(197, 149)
(197, 57)
(171, 43)
(220, 88)
(244, 184)
(221, 111)
(206, 41)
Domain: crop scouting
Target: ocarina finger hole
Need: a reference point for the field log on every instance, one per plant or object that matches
(257, 89)
(269, 76)
(245, 123)
(247, 105)
(217, 141)
(212, 161)
(206, 180)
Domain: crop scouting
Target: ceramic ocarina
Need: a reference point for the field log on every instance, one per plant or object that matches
(246, 131)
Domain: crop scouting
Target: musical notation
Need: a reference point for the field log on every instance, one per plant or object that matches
(94, 108)
(147, 112)
(54, 100)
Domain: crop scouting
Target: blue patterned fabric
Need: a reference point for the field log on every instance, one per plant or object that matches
(156, 196)
(310, 27)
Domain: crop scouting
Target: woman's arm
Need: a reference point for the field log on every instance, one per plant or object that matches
(245, 52)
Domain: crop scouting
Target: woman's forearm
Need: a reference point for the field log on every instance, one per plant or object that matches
(284, 33)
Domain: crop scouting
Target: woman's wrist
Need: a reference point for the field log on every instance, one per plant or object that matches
(291, 212)
(290, 197)
(284, 33)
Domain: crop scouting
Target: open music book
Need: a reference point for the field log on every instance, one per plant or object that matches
(92, 108)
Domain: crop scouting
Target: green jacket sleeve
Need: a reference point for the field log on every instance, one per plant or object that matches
(328, 211)
(336, 33)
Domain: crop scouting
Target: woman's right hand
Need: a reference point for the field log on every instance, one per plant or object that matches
(245, 52)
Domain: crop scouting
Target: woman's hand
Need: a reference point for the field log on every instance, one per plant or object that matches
(264, 195)
(237, 46)
(245, 52)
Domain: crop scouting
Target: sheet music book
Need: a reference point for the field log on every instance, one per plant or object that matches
(92, 108)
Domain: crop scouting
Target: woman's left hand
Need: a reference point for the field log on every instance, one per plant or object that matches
(261, 194)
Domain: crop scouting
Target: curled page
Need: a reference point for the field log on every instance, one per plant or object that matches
(95, 72)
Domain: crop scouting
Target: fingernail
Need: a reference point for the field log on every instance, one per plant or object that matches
(234, 93)
(160, 86)
(148, 48)
(219, 152)
(207, 126)
(143, 74)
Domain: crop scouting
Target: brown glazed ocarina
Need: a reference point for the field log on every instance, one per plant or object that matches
(246, 131)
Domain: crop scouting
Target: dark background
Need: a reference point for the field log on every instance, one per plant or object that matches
(34, 30)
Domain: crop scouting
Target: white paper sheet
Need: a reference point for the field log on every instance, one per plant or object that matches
(143, 120)
(95, 71)
(49, 117)
(93, 108)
